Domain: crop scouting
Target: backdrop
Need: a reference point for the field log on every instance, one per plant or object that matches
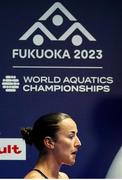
(61, 57)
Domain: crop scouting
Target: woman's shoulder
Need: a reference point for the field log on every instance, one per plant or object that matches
(63, 175)
(33, 175)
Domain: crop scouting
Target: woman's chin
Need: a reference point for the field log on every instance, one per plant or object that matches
(70, 163)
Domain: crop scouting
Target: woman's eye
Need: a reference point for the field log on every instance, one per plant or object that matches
(71, 136)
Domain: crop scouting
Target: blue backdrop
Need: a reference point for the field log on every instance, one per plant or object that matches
(98, 114)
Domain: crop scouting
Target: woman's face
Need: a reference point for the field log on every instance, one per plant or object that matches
(67, 143)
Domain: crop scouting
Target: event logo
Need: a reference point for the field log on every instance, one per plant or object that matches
(57, 20)
(12, 149)
(10, 83)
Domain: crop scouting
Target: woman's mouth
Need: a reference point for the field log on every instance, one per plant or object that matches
(74, 153)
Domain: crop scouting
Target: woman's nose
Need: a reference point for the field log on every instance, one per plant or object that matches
(78, 142)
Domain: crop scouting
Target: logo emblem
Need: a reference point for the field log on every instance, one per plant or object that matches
(10, 83)
(57, 20)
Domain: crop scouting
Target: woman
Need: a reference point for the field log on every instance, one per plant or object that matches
(55, 137)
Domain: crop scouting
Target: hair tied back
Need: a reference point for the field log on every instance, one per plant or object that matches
(27, 135)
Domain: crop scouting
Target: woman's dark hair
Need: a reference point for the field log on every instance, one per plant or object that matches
(46, 125)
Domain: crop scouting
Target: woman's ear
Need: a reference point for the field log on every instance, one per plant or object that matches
(48, 142)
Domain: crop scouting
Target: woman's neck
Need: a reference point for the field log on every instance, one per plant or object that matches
(48, 165)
